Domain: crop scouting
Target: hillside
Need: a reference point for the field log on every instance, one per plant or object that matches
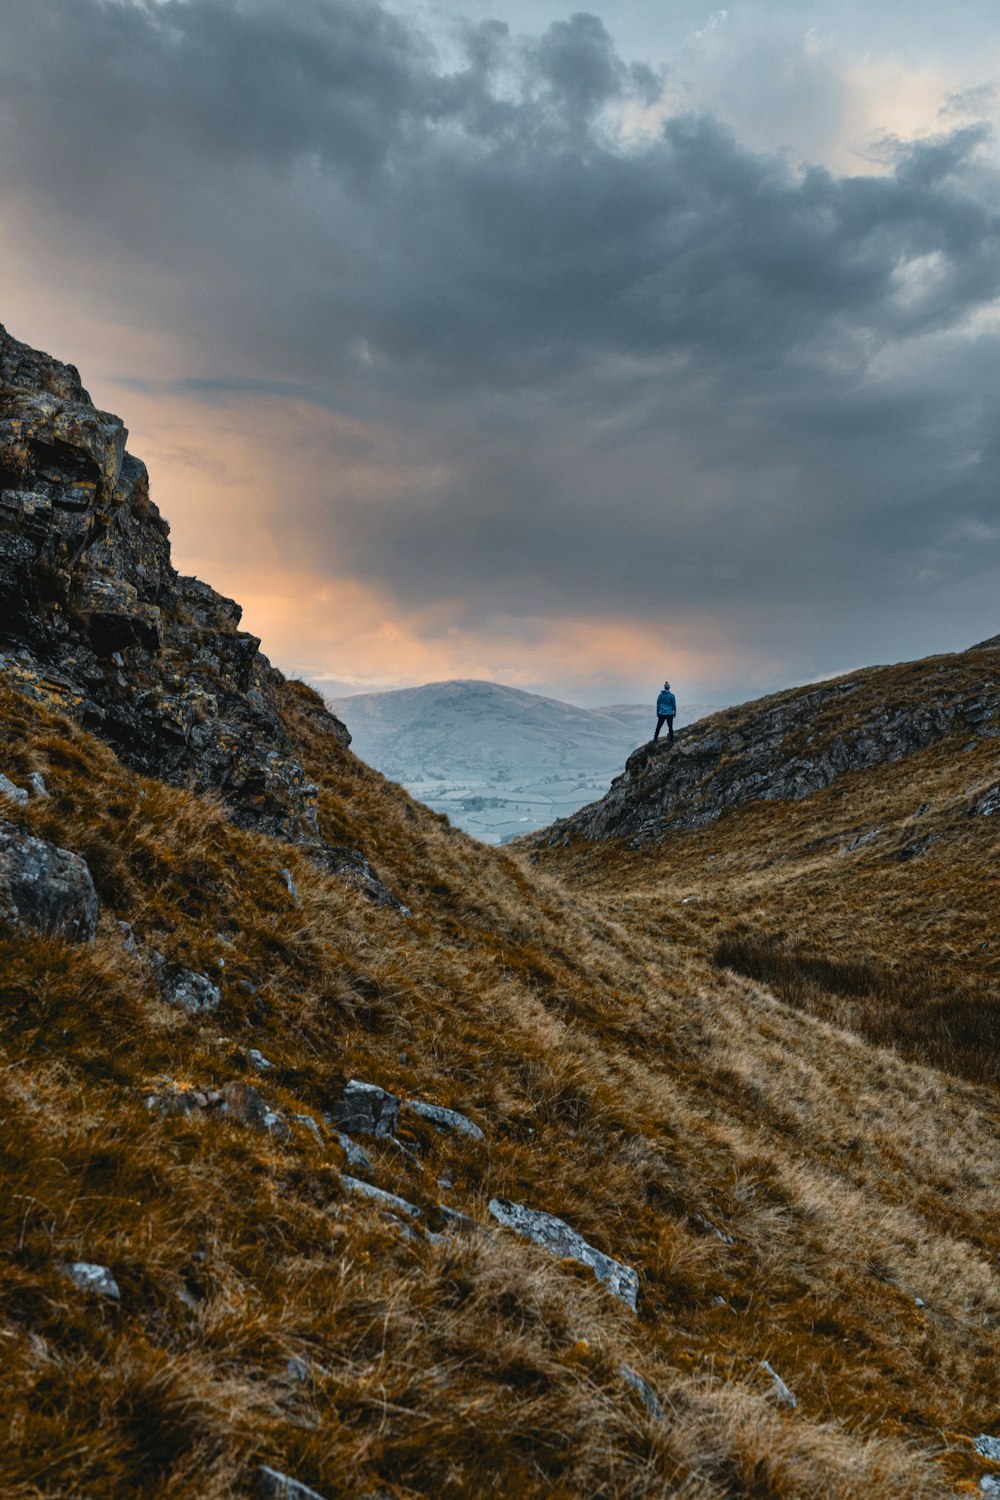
(291, 1073)
(835, 842)
(498, 761)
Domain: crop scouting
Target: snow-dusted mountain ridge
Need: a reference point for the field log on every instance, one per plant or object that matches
(499, 761)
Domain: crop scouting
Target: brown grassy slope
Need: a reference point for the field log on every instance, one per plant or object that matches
(623, 1081)
(873, 903)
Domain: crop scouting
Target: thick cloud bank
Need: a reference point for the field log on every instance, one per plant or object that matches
(569, 366)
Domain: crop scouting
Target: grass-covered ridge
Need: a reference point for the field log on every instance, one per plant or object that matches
(785, 1190)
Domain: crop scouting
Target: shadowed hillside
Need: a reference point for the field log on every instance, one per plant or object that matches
(291, 1074)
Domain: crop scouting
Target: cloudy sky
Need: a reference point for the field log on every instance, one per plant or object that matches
(490, 338)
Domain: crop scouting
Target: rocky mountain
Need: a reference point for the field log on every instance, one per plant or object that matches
(658, 1163)
(498, 761)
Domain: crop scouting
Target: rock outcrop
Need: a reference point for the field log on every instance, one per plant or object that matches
(94, 616)
(45, 888)
(783, 749)
(556, 1236)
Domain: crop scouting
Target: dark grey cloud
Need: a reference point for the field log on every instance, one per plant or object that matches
(660, 373)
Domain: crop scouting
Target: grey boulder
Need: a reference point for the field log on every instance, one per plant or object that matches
(44, 887)
(443, 1119)
(90, 1277)
(987, 1447)
(365, 1109)
(193, 992)
(556, 1236)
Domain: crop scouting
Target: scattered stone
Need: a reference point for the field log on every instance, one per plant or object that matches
(782, 1393)
(128, 938)
(365, 1109)
(919, 1302)
(37, 784)
(286, 876)
(310, 1125)
(184, 1101)
(297, 1370)
(914, 850)
(987, 1447)
(11, 792)
(990, 1484)
(699, 1221)
(259, 1061)
(556, 1236)
(194, 993)
(645, 1390)
(273, 1485)
(93, 1278)
(243, 1103)
(46, 888)
(381, 1196)
(357, 1157)
(454, 1219)
(237, 1100)
(443, 1119)
(862, 840)
(988, 805)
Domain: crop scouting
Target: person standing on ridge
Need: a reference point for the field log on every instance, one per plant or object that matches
(666, 707)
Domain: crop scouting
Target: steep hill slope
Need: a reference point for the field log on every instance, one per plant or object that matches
(837, 842)
(225, 1260)
(496, 760)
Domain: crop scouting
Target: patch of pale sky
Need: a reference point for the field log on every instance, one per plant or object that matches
(803, 91)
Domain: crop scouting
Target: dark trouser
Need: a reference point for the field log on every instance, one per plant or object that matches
(667, 719)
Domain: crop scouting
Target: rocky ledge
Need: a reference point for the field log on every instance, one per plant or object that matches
(94, 617)
(787, 747)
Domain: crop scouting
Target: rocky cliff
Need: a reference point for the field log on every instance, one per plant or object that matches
(94, 617)
(787, 747)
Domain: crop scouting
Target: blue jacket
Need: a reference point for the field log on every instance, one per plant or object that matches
(666, 703)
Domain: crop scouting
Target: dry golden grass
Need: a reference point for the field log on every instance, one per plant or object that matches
(15, 463)
(624, 1080)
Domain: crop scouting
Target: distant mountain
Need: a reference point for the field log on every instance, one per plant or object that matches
(497, 760)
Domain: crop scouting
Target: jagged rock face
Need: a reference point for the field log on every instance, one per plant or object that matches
(781, 749)
(94, 617)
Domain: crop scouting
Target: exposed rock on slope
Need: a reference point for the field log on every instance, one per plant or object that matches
(96, 619)
(787, 747)
(43, 887)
